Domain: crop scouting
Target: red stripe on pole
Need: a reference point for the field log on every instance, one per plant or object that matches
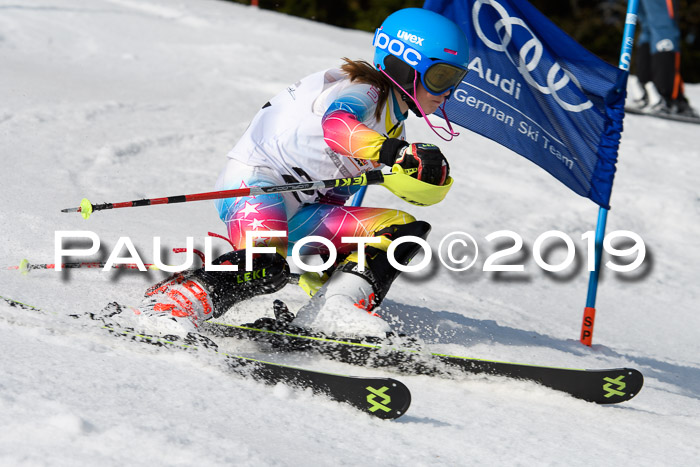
(587, 326)
(218, 194)
(159, 201)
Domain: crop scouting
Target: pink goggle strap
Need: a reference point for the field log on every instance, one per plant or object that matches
(450, 132)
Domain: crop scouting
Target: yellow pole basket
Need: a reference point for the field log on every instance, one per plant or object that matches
(412, 190)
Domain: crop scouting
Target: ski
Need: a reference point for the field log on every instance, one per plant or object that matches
(602, 386)
(385, 398)
(605, 386)
(674, 117)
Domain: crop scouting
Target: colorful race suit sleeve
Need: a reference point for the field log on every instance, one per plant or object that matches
(345, 124)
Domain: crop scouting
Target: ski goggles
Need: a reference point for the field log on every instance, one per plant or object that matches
(437, 76)
(441, 76)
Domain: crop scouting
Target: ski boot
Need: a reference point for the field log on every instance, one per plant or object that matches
(347, 304)
(179, 304)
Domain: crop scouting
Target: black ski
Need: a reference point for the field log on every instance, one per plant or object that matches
(385, 398)
(608, 386)
(674, 117)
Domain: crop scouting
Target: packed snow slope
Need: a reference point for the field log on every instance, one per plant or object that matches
(116, 100)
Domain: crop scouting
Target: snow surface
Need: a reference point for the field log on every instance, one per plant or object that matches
(121, 99)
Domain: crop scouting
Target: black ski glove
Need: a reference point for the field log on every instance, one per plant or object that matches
(432, 166)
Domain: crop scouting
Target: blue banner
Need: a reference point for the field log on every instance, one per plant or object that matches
(535, 90)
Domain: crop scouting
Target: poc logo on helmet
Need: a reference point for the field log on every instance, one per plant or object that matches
(398, 48)
(410, 37)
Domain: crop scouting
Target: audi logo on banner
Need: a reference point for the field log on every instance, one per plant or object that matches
(529, 55)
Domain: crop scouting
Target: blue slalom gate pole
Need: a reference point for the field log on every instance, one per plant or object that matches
(589, 311)
(359, 196)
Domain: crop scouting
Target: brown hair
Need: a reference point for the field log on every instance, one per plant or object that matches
(363, 72)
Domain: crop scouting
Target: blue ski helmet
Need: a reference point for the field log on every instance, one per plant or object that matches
(424, 41)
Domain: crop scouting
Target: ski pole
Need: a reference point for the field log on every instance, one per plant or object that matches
(25, 266)
(374, 177)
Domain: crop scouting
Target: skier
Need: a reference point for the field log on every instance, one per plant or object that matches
(657, 88)
(332, 124)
